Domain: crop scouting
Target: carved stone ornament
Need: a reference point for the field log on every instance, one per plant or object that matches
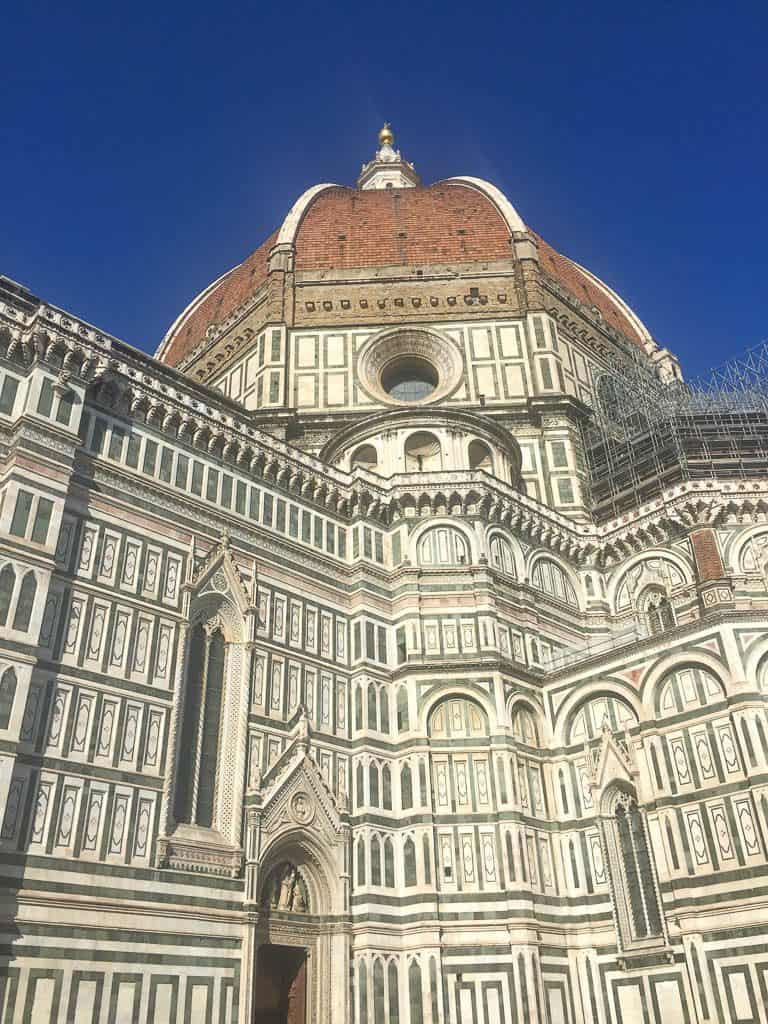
(302, 808)
(186, 850)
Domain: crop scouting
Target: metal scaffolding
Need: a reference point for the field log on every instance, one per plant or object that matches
(644, 435)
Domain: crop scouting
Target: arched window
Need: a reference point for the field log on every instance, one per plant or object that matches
(372, 716)
(414, 991)
(502, 557)
(426, 853)
(365, 457)
(524, 727)
(406, 788)
(360, 785)
(634, 882)
(373, 784)
(375, 861)
(457, 718)
(510, 855)
(402, 710)
(7, 583)
(362, 991)
(389, 864)
(26, 602)
(200, 731)
(358, 707)
(386, 788)
(409, 861)
(480, 456)
(422, 453)
(361, 862)
(383, 710)
(378, 992)
(551, 579)
(392, 989)
(687, 688)
(443, 545)
(7, 696)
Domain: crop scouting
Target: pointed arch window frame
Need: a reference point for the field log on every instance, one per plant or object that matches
(616, 850)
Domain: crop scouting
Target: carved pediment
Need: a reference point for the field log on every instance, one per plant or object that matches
(613, 763)
(296, 795)
(219, 574)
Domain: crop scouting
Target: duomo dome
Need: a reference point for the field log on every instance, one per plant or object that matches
(393, 296)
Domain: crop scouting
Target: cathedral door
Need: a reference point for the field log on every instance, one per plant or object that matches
(281, 985)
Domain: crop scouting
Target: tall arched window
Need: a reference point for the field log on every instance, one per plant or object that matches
(7, 583)
(409, 861)
(373, 784)
(375, 861)
(392, 992)
(386, 788)
(7, 696)
(633, 875)
(402, 710)
(26, 602)
(199, 746)
(414, 991)
(378, 992)
(389, 864)
(406, 788)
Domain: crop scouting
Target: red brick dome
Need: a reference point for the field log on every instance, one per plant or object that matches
(458, 221)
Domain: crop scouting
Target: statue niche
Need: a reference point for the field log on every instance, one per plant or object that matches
(285, 889)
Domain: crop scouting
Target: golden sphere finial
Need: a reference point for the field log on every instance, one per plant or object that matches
(386, 135)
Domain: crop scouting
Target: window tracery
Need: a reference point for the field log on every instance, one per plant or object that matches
(551, 579)
(443, 545)
(502, 556)
(201, 727)
(633, 875)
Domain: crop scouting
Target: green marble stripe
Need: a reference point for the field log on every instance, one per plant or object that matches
(67, 954)
(99, 772)
(74, 674)
(94, 933)
(163, 878)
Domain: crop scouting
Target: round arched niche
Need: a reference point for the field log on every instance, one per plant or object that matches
(410, 367)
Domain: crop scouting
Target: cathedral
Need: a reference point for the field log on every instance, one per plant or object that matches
(391, 648)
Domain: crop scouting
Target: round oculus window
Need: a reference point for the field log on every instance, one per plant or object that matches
(409, 379)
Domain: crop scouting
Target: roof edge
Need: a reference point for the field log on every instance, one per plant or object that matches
(513, 219)
(168, 337)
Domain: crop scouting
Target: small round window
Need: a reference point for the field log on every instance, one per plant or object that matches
(409, 379)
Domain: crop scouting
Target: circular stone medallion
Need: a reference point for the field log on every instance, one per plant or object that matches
(302, 808)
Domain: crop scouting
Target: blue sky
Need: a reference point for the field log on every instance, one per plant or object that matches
(148, 148)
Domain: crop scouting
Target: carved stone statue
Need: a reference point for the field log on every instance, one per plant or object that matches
(285, 889)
